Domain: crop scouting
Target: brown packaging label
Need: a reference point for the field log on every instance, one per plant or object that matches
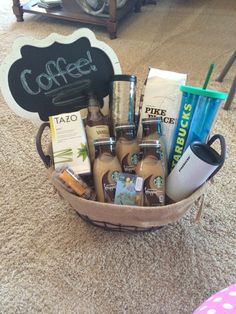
(109, 181)
(129, 162)
(154, 194)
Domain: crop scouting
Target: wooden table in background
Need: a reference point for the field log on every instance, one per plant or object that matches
(72, 12)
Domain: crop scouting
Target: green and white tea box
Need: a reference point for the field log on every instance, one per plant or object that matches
(69, 142)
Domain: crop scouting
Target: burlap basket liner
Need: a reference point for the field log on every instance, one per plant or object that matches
(122, 215)
(138, 216)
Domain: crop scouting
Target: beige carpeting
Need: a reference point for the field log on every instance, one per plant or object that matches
(53, 262)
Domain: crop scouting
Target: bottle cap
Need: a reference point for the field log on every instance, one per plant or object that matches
(150, 143)
(125, 126)
(156, 121)
(150, 120)
(104, 141)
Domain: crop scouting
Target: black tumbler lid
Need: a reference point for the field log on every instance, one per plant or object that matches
(206, 153)
(124, 77)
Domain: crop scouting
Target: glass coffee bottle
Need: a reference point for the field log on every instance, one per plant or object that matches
(127, 149)
(96, 125)
(106, 169)
(150, 167)
(152, 131)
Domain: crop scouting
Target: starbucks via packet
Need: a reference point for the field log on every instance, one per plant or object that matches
(162, 97)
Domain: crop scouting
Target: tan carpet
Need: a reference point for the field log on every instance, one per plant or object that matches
(51, 261)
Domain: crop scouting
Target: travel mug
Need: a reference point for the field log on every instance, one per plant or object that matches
(198, 164)
(122, 100)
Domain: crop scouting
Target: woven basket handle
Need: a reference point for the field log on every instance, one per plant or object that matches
(45, 158)
(223, 151)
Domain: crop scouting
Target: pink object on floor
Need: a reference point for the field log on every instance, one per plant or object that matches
(223, 302)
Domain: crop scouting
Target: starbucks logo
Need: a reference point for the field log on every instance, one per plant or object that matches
(134, 159)
(158, 181)
(115, 176)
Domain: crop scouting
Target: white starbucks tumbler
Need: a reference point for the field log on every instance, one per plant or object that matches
(198, 164)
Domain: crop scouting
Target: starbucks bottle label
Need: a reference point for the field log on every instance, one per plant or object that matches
(129, 162)
(109, 181)
(154, 191)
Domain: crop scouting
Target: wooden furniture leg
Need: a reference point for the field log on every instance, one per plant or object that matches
(149, 2)
(221, 77)
(72, 12)
(112, 22)
(138, 4)
(227, 67)
(231, 95)
(17, 10)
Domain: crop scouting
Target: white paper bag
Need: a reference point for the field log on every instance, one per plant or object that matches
(162, 97)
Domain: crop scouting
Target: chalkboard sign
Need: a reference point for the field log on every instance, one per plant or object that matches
(54, 75)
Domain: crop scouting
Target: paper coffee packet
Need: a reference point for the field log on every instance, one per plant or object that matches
(162, 98)
(69, 143)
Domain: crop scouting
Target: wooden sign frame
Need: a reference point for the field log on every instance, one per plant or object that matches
(15, 87)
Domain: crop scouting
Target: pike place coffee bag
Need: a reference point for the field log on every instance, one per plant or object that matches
(162, 97)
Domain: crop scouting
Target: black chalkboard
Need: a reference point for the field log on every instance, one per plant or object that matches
(56, 78)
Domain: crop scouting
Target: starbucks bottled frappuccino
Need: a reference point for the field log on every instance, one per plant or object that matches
(150, 167)
(127, 149)
(96, 125)
(106, 169)
(152, 131)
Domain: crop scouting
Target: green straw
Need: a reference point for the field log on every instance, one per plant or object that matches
(208, 75)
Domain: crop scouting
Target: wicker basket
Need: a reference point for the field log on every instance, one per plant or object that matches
(117, 217)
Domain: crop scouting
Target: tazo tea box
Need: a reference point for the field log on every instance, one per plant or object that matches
(162, 98)
(69, 142)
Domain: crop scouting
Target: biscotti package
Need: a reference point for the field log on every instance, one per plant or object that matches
(162, 97)
(69, 142)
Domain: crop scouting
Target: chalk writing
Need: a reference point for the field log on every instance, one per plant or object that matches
(55, 70)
